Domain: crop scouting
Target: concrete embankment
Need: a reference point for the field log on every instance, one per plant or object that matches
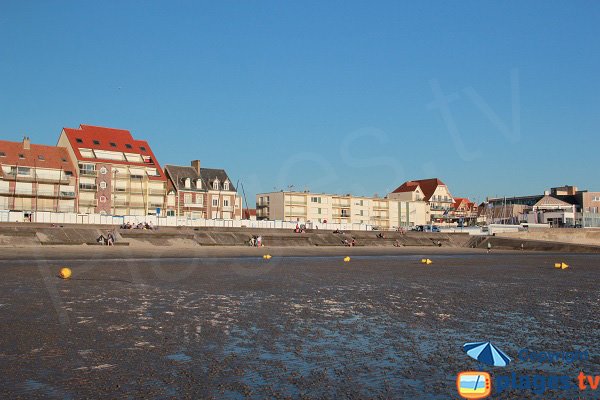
(511, 243)
(562, 235)
(21, 235)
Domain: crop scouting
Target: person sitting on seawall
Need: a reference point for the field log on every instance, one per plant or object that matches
(380, 236)
(353, 242)
(345, 242)
(259, 242)
(102, 240)
(110, 239)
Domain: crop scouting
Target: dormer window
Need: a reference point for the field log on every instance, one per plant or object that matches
(96, 142)
(199, 184)
(216, 184)
(79, 140)
(188, 183)
(226, 185)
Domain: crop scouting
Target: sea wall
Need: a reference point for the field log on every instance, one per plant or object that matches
(22, 235)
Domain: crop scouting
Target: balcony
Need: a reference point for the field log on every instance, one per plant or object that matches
(87, 172)
(193, 205)
(295, 203)
(262, 205)
(341, 216)
(88, 188)
(32, 178)
(156, 192)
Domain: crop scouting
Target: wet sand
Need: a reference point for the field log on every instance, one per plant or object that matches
(291, 327)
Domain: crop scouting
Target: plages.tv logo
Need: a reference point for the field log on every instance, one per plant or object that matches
(474, 384)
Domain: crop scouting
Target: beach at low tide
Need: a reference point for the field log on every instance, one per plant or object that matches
(225, 323)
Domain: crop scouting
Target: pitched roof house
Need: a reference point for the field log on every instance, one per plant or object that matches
(201, 192)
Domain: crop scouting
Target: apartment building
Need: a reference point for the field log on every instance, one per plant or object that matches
(332, 208)
(36, 178)
(117, 174)
(197, 192)
(432, 191)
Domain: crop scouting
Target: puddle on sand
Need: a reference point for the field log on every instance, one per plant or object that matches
(179, 357)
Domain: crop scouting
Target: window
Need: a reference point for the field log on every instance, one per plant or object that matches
(63, 159)
(102, 198)
(128, 146)
(68, 173)
(79, 140)
(142, 148)
(318, 211)
(96, 142)
(103, 170)
(2, 154)
(187, 183)
(23, 171)
(225, 202)
(41, 157)
(187, 198)
(226, 185)
(199, 199)
(199, 184)
(215, 202)
(21, 156)
(102, 185)
(216, 185)
(596, 198)
(113, 144)
(315, 199)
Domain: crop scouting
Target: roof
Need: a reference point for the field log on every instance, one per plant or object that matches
(427, 186)
(111, 139)
(38, 156)
(459, 200)
(178, 174)
(552, 202)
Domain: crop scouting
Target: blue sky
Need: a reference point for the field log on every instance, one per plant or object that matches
(493, 97)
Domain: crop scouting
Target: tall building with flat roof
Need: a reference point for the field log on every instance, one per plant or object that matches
(333, 208)
(36, 177)
(118, 175)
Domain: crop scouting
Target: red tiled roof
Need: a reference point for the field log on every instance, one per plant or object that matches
(52, 156)
(427, 186)
(459, 200)
(111, 139)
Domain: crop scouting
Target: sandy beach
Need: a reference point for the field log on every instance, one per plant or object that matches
(305, 324)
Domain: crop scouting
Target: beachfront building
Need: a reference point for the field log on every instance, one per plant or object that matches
(464, 211)
(333, 208)
(433, 192)
(36, 178)
(117, 174)
(196, 192)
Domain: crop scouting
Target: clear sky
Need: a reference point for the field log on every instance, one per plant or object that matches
(492, 97)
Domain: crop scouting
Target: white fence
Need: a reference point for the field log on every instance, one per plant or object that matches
(99, 219)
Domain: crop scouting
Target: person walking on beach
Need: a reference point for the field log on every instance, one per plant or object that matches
(489, 247)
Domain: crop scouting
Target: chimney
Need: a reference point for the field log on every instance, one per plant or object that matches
(196, 165)
(26, 143)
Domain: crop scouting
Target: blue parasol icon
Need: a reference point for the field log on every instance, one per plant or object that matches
(487, 353)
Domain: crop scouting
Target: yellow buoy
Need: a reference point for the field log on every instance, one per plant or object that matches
(268, 256)
(556, 265)
(428, 261)
(347, 259)
(564, 266)
(423, 261)
(65, 273)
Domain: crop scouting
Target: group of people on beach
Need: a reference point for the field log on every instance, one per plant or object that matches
(349, 243)
(108, 240)
(256, 241)
(140, 225)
